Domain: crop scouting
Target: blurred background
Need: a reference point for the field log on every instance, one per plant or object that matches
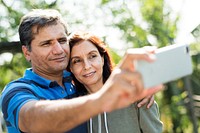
(121, 24)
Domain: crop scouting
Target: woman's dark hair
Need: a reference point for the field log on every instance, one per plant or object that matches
(80, 36)
(38, 18)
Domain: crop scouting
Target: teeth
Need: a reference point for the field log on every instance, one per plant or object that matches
(87, 75)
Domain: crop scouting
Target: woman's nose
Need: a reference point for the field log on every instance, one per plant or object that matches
(87, 65)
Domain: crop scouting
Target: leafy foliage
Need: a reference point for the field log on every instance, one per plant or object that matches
(141, 23)
(160, 27)
(13, 70)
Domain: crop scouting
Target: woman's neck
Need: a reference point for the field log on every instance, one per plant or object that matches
(94, 87)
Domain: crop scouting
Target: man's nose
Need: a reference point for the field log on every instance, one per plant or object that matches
(57, 48)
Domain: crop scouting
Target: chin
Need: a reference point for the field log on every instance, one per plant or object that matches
(59, 68)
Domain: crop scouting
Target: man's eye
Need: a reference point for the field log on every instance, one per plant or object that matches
(63, 41)
(46, 44)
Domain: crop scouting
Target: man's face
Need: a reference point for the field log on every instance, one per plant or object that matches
(49, 50)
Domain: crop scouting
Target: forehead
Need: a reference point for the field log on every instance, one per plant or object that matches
(49, 32)
(46, 29)
(83, 47)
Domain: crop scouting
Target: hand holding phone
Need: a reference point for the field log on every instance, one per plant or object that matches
(172, 62)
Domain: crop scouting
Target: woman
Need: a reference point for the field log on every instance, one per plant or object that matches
(91, 66)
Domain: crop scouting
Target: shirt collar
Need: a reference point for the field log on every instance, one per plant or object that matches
(45, 83)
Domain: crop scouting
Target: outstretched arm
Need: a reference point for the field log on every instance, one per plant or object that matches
(123, 87)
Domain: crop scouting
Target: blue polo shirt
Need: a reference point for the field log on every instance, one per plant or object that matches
(34, 87)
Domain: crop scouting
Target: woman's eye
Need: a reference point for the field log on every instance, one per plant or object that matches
(76, 61)
(92, 56)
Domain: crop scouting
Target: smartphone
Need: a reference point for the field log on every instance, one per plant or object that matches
(172, 62)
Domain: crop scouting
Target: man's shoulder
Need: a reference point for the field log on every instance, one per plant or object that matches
(19, 85)
(18, 82)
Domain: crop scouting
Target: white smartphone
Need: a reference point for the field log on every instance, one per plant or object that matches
(172, 62)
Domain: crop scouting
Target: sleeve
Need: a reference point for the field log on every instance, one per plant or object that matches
(11, 102)
(149, 119)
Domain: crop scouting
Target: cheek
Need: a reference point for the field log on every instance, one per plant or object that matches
(100, 63)
(66, 48)
(99, 67)
(39, 60)
(76, 71)
(35, 56)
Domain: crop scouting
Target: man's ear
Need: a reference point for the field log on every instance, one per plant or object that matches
(26, 53)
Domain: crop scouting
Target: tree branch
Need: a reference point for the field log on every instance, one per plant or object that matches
(12, 47)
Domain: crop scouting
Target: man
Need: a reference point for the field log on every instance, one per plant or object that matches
(40, 101)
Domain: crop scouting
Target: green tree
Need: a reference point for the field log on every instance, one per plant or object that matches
(158, 28)
(140, 22)
(10, 19)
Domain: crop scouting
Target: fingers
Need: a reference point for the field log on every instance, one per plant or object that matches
(124, 87)
(147, 100)
(135, 79)
(148, 92)
(150, 49)
(151, 102)
(146, 53)
(133, 87)
(153, 90)
(119, 94)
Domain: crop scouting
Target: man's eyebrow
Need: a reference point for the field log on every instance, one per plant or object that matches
(61, 38)
(46, 41)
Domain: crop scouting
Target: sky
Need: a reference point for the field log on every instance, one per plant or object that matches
(189, 18)
(189, 11)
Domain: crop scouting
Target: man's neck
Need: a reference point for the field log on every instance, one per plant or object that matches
(56, 76)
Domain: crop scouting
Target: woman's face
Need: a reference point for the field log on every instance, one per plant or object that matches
(86, 64)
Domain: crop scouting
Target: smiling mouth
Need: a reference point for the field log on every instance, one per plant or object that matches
(89, 74)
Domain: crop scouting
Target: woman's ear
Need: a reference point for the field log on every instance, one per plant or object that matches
(26, 53)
